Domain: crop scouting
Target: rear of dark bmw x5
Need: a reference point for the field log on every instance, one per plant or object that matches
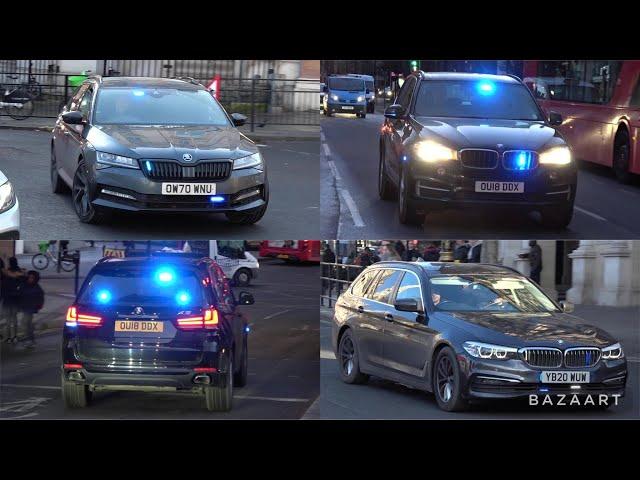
(144, 326)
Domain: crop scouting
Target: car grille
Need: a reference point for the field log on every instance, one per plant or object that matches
(581, 357)
(542, 357)
(472, 158)
(160, 170)
(520, 160)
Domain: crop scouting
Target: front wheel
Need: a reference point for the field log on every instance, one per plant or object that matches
(349, 359)
(220, 398)
(406, 212)
(447, 385)
(242, 277)
(81, 197)
(621, 158)
(40, 261)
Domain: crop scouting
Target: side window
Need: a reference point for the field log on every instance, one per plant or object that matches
(86, 102)
(409, 287)
(360, 285)
(404, 97)
(386, 282)
(74, 102)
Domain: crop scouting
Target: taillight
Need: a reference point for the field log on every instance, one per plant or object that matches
(72, 366)
(75, 319)
(208, 320)
(205, 370)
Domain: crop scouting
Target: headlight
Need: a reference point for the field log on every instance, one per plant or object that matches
(116, 160)
(252, 161)
(334, 97)
(430, 151)
(614, 352)
(490, 352)
(360, 99)
(556, 156)
(7, 197)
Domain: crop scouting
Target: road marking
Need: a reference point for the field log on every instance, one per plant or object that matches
(324, 353)
(277, 313)
(271, 399)
(42, 387)
(633, 359)
(327, 151)
(591, 214)
(353, 210)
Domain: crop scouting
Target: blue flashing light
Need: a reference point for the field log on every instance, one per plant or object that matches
(246, 329)
(544, 390)
(138, 93)
(183, 298)
(523, 161)
(104, 296)
(148, 165)
(216, 199)
(165, 276)
(486, 88)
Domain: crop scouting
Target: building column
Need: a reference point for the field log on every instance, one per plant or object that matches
(582, 273)
(522, 264)
(616, 271)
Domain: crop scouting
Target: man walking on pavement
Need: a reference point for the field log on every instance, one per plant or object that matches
(31, 301)
(12, 277)
(535, 260)
(475, 251)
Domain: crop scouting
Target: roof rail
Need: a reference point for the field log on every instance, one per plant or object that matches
(515, 77)
(188, 79)
(98, 78)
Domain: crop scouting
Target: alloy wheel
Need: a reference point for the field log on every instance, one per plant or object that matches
(445, 380)
(347, 354)
(81, 200)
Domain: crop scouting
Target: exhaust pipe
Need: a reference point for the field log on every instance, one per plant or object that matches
(202, 379)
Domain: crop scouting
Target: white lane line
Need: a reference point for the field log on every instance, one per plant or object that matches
(353, 210)
(277, 313)
(41, 387)
(327, 152)
(591, 214)
(271, 399)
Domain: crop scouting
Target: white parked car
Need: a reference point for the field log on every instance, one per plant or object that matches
(9, 210)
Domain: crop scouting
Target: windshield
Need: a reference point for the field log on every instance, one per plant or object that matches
(164, 286)
(475, 99)
(369, 85)
(351, 84)
(157, 106)
(488, 293)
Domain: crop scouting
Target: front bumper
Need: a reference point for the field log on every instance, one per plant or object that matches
(347, 107)
(128, 189)
(10, 223)
(494, 379)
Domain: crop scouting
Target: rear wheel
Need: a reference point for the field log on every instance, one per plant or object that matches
(621, 158)
(220, 398)
(350, 360)
(57, 184)
(26, 108)
(446, 382)
(240, 377)
(40, 261)
(328, 112)
(406, 213)
(75, 395)
(81, 197)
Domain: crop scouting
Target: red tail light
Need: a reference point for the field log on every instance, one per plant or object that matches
(208, 320)
(72, 366)
(205, 370)
(74, 319)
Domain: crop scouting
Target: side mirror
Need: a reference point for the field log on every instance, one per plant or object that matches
(408, 305)
(394, 112)
(238, 119)
(567, 307)
(245, 298)
(73, 118)
(555, 119)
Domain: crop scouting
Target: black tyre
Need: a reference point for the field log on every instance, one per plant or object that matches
(57, 184)
(447, 382)
(621, 151)
(75, 395)
(406, 209)
(558, 217)
(220, 398)
(67, 266)
(81, 197)
(240, 377)
(349, 362)
(328, 112)
(385, 188)
(242, 277)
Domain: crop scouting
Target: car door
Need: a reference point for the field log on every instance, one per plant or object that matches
(399, 131)
(63, 137)
(408, 339)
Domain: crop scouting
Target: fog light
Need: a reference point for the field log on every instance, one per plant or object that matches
(441, 171)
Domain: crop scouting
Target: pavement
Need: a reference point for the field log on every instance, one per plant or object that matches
(382, 399)
(604, 207)
(283, 361)
(294, 198)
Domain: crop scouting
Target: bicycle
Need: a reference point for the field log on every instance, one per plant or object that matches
(40, 261)
(17, 100)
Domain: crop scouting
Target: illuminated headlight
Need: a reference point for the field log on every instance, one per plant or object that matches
(430, 151)
(334, 97)
(252, 161)
(116, 160)
(490, 352)
(389, 93)
(7, 197)
(360, 99)
(613, 352)
(556, 156)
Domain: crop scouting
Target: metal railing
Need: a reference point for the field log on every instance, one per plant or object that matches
(336, 278)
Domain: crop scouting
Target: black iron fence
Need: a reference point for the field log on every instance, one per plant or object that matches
(265, 101)
(336, 278)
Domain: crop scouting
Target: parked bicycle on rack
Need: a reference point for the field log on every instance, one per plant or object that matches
(40, 261)
(17, 100)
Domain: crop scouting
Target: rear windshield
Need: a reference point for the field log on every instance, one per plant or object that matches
(475, 99)
(351, 84)
(162, 286)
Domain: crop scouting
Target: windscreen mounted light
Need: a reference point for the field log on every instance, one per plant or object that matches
(104, 296)
(138, 93)
(183, 298)
(165, 276)
(486, 88)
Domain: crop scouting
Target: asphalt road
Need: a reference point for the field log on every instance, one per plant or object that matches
(283, 363)
(382, 399)
(292, 213)
(349, 168)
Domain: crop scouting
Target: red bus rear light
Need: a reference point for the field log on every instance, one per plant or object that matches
(72, 366)
(75, 319)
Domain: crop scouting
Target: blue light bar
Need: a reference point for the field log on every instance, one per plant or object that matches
(183, 298)
(216, 199)
(104, 296)
(148, 165)
(138, 93)
(165, 276)
(522, 161)
(486, 88)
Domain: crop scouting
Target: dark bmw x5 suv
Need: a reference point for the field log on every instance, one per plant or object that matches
(470, 331)
(155, 144)
(462, 139)
(155, 324)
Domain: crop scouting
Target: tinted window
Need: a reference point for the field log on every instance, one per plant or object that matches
(126, 286)
(352, 84)
(409, 287)
(475, 99)
(360, 285)
(157, 106)
(386, 282)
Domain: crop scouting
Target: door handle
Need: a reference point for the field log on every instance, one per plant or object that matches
(360, 309)
(388, 317)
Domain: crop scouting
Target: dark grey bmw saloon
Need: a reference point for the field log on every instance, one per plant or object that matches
(470, 331)
(155, 144)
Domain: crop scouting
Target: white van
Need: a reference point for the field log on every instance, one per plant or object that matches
(238, 265)
(370, 91)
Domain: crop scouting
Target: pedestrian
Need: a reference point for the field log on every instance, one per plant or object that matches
(390, 253)
(12, 276)
(535, 260)
(30, 302)
(328, 256)
(461, 252)
(475, 251)
(269, 95)
(366, 258)
(412, 254)
(400, 248)
(431, 253)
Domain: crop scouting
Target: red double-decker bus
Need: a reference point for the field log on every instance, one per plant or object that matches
(599, 101)
(292, 250)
